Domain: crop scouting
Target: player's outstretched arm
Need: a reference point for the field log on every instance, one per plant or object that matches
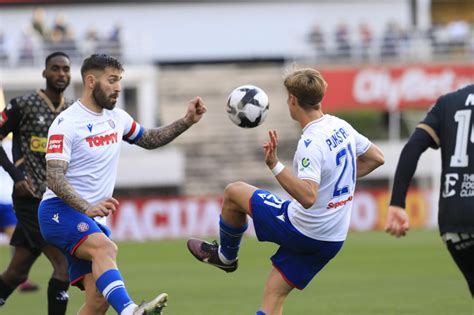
(369, 161)
(58, 183)
(156, 137)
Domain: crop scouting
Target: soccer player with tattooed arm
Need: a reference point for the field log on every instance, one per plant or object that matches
(82, 158)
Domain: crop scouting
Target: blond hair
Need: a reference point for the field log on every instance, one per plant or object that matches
(307, 85)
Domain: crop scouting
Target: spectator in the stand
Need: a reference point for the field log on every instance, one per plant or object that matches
(91, 40)
(365, 40)
(112, 44)
(316, 39)
(458, 32)
(343, 44)
(38, 23)
(60, 25)
(27, 48)
(390, 41)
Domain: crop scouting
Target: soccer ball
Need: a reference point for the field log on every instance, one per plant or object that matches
(247, 106)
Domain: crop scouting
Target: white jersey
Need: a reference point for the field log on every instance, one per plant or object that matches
(6, 182)
(327, 154)
(90, 143)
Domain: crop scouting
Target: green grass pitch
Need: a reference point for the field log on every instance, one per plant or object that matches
(373, 274)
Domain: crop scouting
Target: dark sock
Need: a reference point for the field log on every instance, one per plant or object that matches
(5, 292)
(57, 297)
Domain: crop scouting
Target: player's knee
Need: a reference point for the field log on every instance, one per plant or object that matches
(232, 190)
(106, 249)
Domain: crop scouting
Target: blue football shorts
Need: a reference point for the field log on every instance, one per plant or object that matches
(299, 258)
(67, 228)
(7, 215)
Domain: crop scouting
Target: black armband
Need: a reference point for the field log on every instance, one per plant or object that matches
(419, 141)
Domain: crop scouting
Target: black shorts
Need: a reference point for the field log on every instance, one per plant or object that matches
(27, 232)
(461, 248)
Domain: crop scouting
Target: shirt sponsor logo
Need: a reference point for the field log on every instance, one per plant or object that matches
(82, 227)
(55, 144)
(38, 144)
(337, 204)
(99, 141)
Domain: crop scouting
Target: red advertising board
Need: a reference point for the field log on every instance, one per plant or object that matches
(183, 217)
(396, 87)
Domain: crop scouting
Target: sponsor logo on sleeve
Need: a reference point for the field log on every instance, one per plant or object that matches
(305, 162)
(55, 144)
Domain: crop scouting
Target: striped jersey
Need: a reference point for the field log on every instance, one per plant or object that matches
(90, 143)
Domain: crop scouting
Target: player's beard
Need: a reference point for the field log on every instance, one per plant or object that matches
(101, 98)
(58, 89)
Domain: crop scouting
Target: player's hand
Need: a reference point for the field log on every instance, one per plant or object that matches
(103, 208)
(24, 188)
(397, 221)
(270, 149)
(196, 109)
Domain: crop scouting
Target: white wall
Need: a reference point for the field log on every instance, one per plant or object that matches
(213, 30)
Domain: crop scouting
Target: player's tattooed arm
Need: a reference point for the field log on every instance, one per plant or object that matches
(156, 137)
(58, 183)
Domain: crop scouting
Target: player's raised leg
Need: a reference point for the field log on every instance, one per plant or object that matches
(232, 225)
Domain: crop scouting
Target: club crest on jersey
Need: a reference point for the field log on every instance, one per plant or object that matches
(55, 144)
(82, 227)
(99, 141)
(111, 123)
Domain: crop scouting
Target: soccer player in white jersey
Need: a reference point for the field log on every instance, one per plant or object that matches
(312, 227)
(82, 157)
